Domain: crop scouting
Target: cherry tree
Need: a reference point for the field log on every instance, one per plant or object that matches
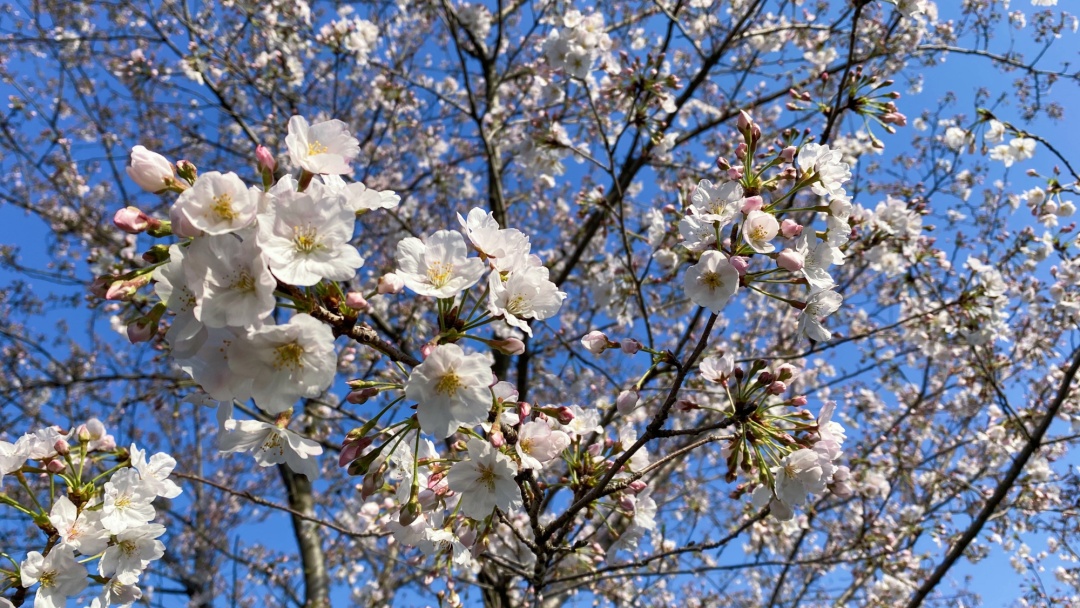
(537, 303)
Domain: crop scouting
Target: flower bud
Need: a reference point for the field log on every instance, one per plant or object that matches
(509, 346)
(735, 173)
(564, 414)
(100, 286)
(152, 171)
(740, 151)
(752, 203)
(133, 221)
(630, 346)
(596, 342)
(361, 396)
(637, 486)
(627, 503)
(55, 466)
(739, 263)
(777, 388)
(722, 164)
(426, 349)
(524, 409)
(497, 438)
(894, 118)
(790, 260)
(83, 433)
(595, 449)
(61, 447)
(142, 330)
(266, 161)
(799, 401)
(186, 170)
(351, 448)
(124, 290)
(355, 300)
(745, 121)
(390, 283)
(626, 401)
(409, 513)
(790, 229)
(788, 154)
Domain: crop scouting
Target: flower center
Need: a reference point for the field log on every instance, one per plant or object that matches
(47, 579)
(516, 305)
(289, 355)
(487, 476)
(316, 147)
(448, 384)
(759, 233)
(222, 207)
(439, 273)
(306, 239)
(128, 547)
(245, 283)
(712, 280)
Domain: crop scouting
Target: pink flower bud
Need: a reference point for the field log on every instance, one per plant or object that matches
(777, 388)
(564, 415)
(626, 401)
(790, 229)
(637, 486)
(735, 173)
(83, 433)
(355, 300)
(100, 286)
(745, 121)
(739, 263)
(152, 171)
(350, 449)
(509, 346)
(524, 409)
(426, 349)
(390, 283)
(788, 154)
(755, 133)
(630, 346)
(133, 221)
(141, 330)
(791, 260)
(55, 466)
(723, 164)
(798, 401)
(668, 208)
(595, 449)
(894, 118)
(123, 290)
(61, 447)
(497, 439)
(265, 159)
(627, 503)
(596, 342)
(740, 151)
(752, 203)
(362, 395)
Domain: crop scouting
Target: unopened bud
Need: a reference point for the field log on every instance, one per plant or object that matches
(55, 466)
(752, 203)
(777, 388)
(355, 300)
(350, 449)
(82, 433)
(427, 349)
(735, 173)
(627, 503)
(745, 121)
(124, 290)
(497, 438)
(740, 151)
(390, 283)
(564, 414)
(152, 171)
(509, 346)
(799, 401)
(788, 154)
(265, 159)
(595, 449)
(630, 346)
(790, 229)
(739, 263)
(626, 401)
(361, 396)
(596, 342)
(186, 170)
(133, 221)
(636, 486)
(723, 164)
(141, 330)
(61, 447)
(524, 408)
(790, 260)
(409, 513)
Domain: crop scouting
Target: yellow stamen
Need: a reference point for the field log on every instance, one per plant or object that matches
(222, 207)
(289, 355)
(316, 147)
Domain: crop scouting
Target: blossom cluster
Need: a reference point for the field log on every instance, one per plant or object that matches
(112, 523)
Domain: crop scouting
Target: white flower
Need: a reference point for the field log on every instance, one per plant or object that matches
(697, 233)
(450, 389)
(538, 443)
(132, 552)
(485, 481)
(321, 148)
(59, 574)
(717, 369)
(439, 268)
(305, 236)
(718, 203)
(798, 475)
(826, 165)
(818, 306)
(155, 472)
(995, 132)
(712, 281)
(525, 294)
(286, 362)
(209, 367)
(217, 204)
(230, 280)
(80, 531)
(956, 138)
(115, 592)
(759, 229)
(12, 458)
(186, 334)
(1019, 148)
(152, 171)
(271, 445)
(127, 502)
(39, 445)
(816, 260)
(359, 197)
(506, 248)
